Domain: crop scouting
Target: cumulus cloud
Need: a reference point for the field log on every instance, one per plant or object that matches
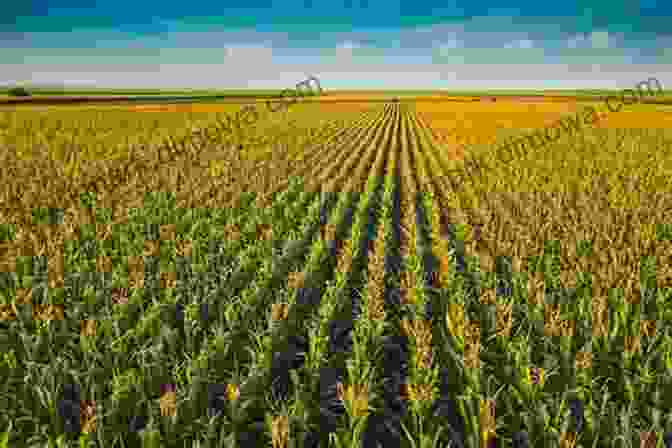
(260, 59)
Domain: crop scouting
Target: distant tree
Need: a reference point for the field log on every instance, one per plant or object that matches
(19, 91)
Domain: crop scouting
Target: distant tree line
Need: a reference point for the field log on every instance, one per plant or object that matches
(18, 91)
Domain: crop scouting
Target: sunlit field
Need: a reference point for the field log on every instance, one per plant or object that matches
(320, 274)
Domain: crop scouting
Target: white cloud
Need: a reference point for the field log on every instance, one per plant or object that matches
(348, 74)
(380, 58)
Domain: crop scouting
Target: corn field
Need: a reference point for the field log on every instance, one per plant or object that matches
(343, 285)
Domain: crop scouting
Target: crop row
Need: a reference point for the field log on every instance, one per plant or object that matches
(348, 311)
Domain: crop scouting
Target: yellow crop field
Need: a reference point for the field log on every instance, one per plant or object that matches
(307, 276)
(469, 123)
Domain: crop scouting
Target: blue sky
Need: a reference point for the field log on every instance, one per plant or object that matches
(347, 44)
